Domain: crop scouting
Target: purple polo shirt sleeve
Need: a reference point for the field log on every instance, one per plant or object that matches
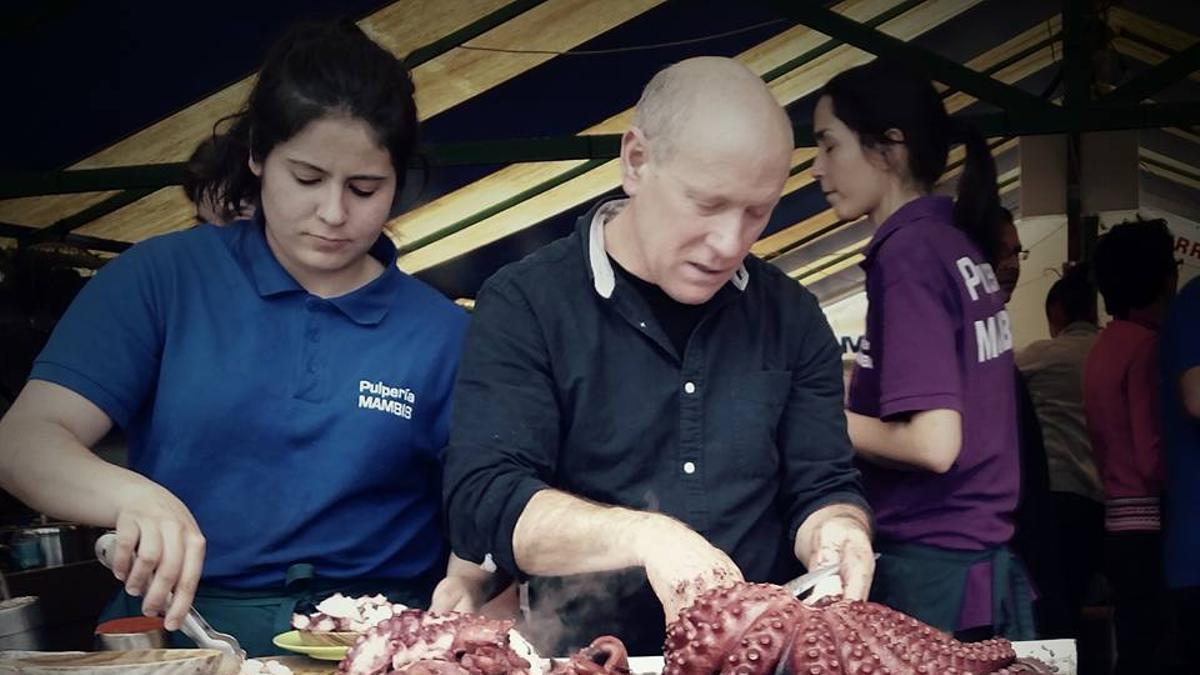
(108, 344)
(504, 431)
(918, 322)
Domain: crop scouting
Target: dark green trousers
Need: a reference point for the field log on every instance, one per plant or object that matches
(255, 617)
(929, 583)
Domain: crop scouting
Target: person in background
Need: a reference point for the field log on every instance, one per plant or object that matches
(1009, 254)
(1053, 372)
(1180, 358)
(1136, 274)
(645, 410)
(932, 411)
(284, 387)
(1033, 536)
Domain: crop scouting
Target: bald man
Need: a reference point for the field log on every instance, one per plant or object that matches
(644, 410)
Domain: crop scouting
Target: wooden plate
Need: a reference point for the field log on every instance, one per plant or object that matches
(132, 662)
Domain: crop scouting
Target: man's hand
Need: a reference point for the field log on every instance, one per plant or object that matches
(838, 534)
(457, 594)
(680, 563)
(465, 589)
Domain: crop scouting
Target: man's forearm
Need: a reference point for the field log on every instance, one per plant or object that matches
(803, 546)
(560, 534)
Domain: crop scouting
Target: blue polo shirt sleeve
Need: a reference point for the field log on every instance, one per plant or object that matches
(108, 344)
(918, 362)
(504, 429)
(818, 459)
(1182, 351)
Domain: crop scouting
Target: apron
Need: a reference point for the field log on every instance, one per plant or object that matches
(929, 583)
(255, 617)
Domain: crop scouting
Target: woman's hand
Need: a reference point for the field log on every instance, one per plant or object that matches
(159, 553)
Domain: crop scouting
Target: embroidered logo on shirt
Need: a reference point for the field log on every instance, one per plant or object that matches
(993, 336)
(975, 275)
(381, 396)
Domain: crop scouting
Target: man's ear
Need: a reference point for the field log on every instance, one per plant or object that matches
(635, 156)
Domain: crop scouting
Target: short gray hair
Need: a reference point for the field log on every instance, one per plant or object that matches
(662, 111)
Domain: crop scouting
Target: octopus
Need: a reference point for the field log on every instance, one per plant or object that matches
(761, 629)
(415, 642)
(733, 629)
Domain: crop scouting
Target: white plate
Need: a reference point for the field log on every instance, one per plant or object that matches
(1059, 653)
(646, 665)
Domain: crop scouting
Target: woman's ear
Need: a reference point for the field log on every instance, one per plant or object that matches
(894, 152)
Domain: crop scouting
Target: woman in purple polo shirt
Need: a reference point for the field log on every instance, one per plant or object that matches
(932, 411)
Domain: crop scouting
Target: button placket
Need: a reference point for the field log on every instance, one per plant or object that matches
(311, 363)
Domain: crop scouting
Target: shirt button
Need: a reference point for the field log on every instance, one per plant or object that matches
(689, 468)
(689, 387)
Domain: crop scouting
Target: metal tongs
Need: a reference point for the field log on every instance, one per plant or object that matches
(194, 625)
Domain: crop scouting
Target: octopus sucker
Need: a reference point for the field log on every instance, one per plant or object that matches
(767, 632)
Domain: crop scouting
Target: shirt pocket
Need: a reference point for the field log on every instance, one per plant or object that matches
(758, 402)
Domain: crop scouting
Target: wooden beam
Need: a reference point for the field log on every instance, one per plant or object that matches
(501, 186)
(1158, 159)
(1173, 176)
(403, 26)
(1147, 55)
(939, 67)
(515, 179)
(17, 233)
(1158, 77)
(1155, 31)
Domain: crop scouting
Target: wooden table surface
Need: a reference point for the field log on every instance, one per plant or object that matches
(302, 665)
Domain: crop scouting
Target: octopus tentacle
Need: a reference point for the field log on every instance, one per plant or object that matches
(758, 629)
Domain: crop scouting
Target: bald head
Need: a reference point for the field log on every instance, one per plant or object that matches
(708, 98)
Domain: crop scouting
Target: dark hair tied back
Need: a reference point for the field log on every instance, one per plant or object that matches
(315, 70)
(876, 97)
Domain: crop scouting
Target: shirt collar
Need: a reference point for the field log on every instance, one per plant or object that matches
(599, 267)
(367, 305)
(1080, 328)
(940, 207)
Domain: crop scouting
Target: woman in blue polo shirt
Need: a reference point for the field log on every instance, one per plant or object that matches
(283, 386)
(932, 410)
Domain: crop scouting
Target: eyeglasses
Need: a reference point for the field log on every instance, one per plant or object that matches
(1019, 252)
